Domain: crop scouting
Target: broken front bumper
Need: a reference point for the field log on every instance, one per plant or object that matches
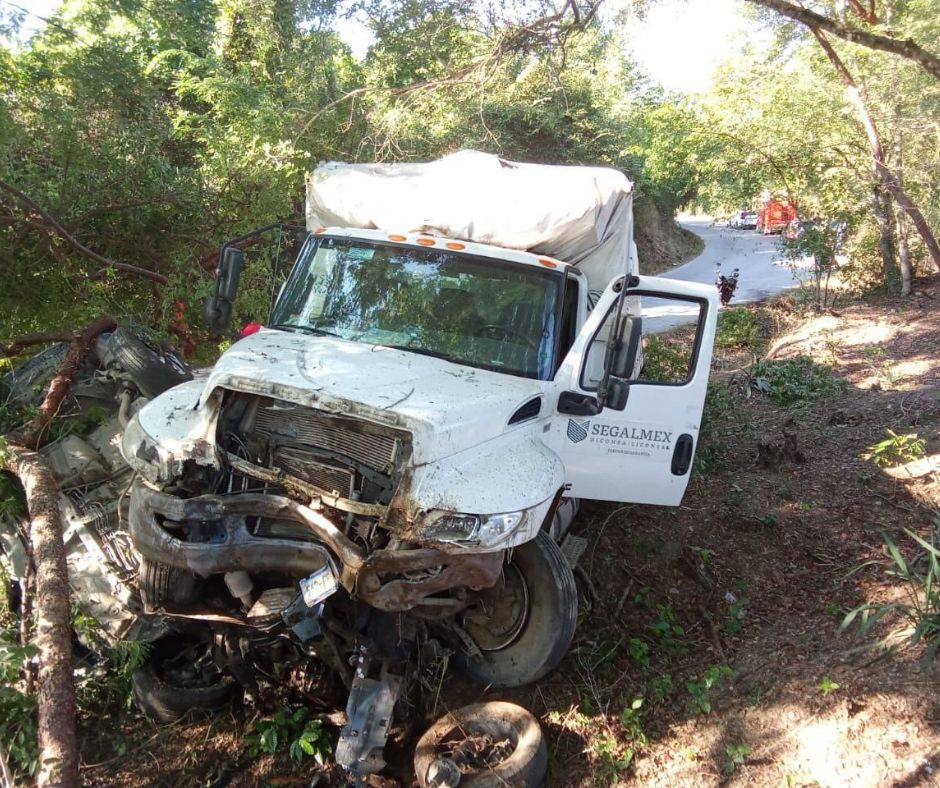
(164, 529)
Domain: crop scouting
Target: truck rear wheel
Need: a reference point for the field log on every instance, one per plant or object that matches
(524, 625)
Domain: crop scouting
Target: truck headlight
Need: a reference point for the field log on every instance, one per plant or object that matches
(488, 530)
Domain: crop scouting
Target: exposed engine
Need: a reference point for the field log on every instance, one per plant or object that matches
(346, 458)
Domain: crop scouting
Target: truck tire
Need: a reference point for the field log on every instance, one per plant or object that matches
(467, 737)
(26, 383)
(153, 369)
(165, 691)
(164, 586)
(524, 625)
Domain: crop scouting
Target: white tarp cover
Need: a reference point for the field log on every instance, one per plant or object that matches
(581, 215)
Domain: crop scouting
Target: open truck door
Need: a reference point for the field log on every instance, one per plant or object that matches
(633, 389)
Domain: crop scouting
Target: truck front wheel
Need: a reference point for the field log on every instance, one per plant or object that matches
(523, 626)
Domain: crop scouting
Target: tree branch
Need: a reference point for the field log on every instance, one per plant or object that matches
(889, 180)
(75, 243)
(906, 48)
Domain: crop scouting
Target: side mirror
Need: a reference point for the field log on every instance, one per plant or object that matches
(623, 357)
(621, 363)
(217, 309)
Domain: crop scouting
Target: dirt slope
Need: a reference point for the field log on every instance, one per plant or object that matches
(661, 243)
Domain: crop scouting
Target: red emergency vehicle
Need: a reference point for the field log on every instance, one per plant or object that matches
(774, 216)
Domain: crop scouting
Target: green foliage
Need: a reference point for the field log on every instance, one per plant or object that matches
(796, 382)
(722, 421)
(701, 689)
(615, 759)
(737, 755)
(665, 360)
(896, 449)
(105, 683)
(663, 687)
(737, 329)
(818, 244)
(297, 730)
(632, 722)
(827, 686)
(639, 652)
(667, 632)
(919, 607)
(18, 731)
(736, 615)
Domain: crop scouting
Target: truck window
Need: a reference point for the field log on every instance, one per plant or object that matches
(671, 329)
(476, 311)
(569, 319)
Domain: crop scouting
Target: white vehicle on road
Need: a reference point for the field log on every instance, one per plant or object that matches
(451, 363)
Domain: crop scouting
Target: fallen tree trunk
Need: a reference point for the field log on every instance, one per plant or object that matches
(30, 436)
(58, 751)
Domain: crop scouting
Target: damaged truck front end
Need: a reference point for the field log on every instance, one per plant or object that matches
(277, 488)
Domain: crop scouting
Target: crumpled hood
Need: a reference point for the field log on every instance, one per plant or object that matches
(448, 407)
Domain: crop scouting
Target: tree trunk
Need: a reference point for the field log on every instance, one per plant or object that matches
(58, 753)
(889, 181)
(884, 214)
(904, 251)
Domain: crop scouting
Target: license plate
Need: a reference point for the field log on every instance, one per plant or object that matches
(318, 586)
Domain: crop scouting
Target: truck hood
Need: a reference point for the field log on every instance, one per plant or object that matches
(447, 407)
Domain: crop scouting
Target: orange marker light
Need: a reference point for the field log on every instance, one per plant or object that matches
(398, 238)
(455, 246)
(547, 263)
(319, 231)
(426, 241)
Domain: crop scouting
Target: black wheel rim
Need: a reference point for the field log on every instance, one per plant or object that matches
(500, 614)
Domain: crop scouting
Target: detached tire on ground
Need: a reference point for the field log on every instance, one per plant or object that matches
(486, 745)
(524, 625)
(152, 368)
(166, 691)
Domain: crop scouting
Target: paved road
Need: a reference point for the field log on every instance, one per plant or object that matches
(762, 271)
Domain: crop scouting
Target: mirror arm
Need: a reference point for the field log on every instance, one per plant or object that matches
(256, 232)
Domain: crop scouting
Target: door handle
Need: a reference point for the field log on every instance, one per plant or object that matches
(682, 455)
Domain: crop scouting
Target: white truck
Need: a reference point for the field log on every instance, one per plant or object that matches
(461, 350)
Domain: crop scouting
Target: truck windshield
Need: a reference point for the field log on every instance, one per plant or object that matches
(474, 311)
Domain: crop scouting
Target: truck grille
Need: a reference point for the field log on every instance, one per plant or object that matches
(336, 435)
(301, 463)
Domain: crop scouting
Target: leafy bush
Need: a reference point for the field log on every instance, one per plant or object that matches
(700, 689)
(664, 361)
(737, 328)
(797, 381)
(302, 734)
(18, 732)
(896, 449)
(818, 243)
(920, 607)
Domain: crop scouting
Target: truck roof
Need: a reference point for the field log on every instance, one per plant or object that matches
(432, 241)
(582, 215)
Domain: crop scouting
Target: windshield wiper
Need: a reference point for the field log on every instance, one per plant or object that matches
(421, 351)
(320, 332)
